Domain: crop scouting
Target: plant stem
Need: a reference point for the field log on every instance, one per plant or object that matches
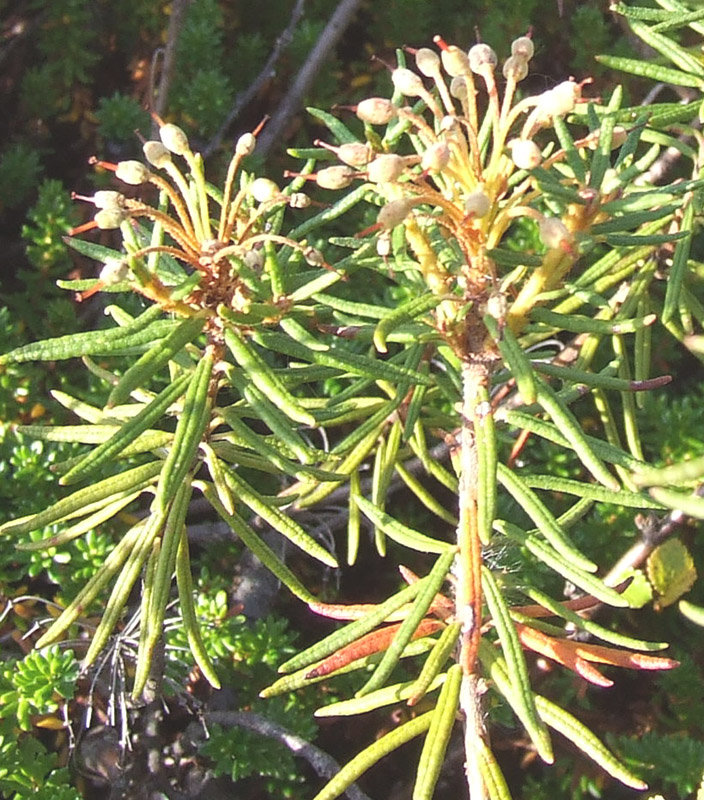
(475, 374)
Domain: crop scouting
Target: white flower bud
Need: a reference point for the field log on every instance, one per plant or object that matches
(428, 62)
(254, 259)
(335, 177)
(454, 61)
(449, 124)
(376, 110)
(394, 213)
(436, 157)
(525, 153)
(554, 233)
(407, 82)
(385, 168)
(263, 190)
(299, 200)
(383, 244)
(114, 271)
(108, 219)
(174, 139)
(156, 154)
(523, 47)
(313, 257)
(481, 57)
(477, 203)
(108, 199)
(245, 145)
(132, 172)
(559, 100)
(515, 68)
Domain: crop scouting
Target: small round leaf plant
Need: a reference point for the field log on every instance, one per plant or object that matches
(526, 258)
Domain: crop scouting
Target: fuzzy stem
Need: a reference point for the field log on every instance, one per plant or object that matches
(468, 573)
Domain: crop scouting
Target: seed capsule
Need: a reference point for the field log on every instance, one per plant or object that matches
(108, 219)
(436, 157)
(523, 47)
(108, 199)
(554, 233)
(477, 203)
(428, 62)
(335, 177)
(407, 82)
(376, 110)
(156, 154)
(385, 168)
(132, 172)
(560, 100)
(174, 139)
(454, 61)
(481, 57)
(515, 68)
(245, 145)
(114, 271)
(394, 213)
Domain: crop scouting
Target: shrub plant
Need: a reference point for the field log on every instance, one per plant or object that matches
(511, 269)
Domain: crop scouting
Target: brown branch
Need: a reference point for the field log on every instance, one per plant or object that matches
(322, 763)
(268, 71)
(159, 95)
(291, 103)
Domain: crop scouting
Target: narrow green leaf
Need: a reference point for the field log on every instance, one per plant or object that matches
(256, 545)
(542, 517)
(522, 698)
(432, 756)
(261, 374)
(581, 324)
(84, 500)
(190, 428)
(128, 432)
(669, 48)
(378, 699)
(426, 497)
(586, 624)
(672, 475)
(406, 312)
(571, 728)
(654, 72)
(515, 359)
(485, 434)
(349, 633)
(570, 427)
(494, 780)
(353, 518)
(693, 613)
(551, 558)
(338, 129)
(589, 491)
(431, 586)
(678, 269)
(408, 537)
(184, 581)
(375, 752)
(153, 360)
(277, 519)
(442, 650)
(690, 504)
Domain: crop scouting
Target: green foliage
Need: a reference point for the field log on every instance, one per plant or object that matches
(27, 770)
(20, 168)
(119, 116)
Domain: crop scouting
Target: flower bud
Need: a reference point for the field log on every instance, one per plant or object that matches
(435, 157)
(459, 88)
(515, 68)
(477, 203)
(132, 172)
(559, 100)
(523, 48)
(254, 259)
(263, 190)
(156, 154)
(525, 153)
(108, 199)
(335, 177)
(114, 271)
(174, 139)
(554, 233)
(314, 257)
(376, 110)
(108, 219)
(481, 57)
(454, 61)
(449, 124)
(428, 62)
(245, 145)
(407, 82)
(299, 200)
(354, 154)
(394, 213)
(385, 168)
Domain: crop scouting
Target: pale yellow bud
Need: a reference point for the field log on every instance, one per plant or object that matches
(525, 153)
(263, 190)
(156, 154)
(385, 168)
(174, 139)
(376, 110)
(132, 172)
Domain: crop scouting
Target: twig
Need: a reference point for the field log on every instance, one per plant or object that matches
(322, 763)
(167, 56)
(307, 74)
(268, 71)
